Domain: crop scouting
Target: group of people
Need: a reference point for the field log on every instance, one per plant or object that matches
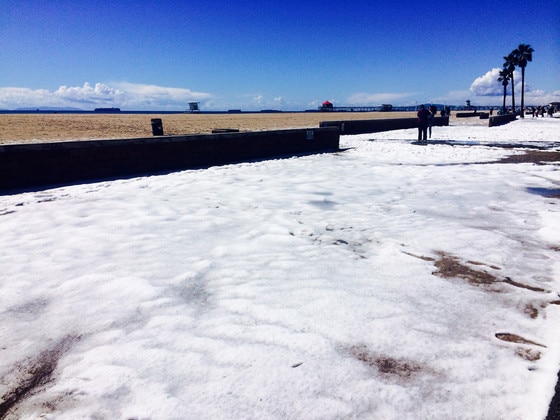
(549, 110)
(426, 118)
(540, 110)
(425, 122)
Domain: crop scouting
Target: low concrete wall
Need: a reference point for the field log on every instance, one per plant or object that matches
(481, 115)
(29, 166)
(375, 126)
(501, 119)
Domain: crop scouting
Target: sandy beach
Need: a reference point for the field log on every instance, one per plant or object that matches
(27, 128)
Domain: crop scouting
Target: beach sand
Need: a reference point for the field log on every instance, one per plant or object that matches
(40, 128)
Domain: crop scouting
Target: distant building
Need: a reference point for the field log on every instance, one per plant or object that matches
(193, 107)
(386, 107)
(326, 106)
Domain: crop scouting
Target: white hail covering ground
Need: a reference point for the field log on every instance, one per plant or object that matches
(294, 288)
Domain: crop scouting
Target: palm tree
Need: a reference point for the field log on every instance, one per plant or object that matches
(510, 63)
(504, 78)
(524, 54)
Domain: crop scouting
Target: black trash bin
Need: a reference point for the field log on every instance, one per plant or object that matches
(157, 127)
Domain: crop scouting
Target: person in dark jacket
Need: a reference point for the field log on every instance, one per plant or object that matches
(431, 119)
(423, 116)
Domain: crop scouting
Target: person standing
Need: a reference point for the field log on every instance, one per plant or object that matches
(423, 116)
(431, 119)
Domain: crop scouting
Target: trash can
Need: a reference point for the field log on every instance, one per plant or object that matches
(157, 127)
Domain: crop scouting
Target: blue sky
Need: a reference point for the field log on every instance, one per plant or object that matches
(252, 55)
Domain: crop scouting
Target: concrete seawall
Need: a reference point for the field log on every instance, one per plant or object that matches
(32, 166)
(375, 126)
(501, 119)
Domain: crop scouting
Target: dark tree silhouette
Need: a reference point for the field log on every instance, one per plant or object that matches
(524, 53)
(510, 64)
(504, 78)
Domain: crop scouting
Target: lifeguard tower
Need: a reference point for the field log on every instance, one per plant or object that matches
(193, 107)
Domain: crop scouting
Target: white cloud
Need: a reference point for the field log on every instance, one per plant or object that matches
(251, 101)
(258, 100)
(486, 90)
(540, 97)
(457, 96)
(87, 94)
(154, 92)
(488, 85)
(16, 97)
(125, 95)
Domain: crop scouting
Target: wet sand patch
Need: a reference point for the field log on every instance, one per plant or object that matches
(532, 156)
(514, 338)
(387, 365)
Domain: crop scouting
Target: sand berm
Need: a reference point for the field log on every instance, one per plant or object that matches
(56, 127)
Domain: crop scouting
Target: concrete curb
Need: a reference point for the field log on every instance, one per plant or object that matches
(31, 166)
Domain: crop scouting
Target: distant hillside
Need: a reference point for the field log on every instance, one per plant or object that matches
(48, 108)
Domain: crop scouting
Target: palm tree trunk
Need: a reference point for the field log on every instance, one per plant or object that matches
(522, 92)
(504, 104)
(512, 93)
